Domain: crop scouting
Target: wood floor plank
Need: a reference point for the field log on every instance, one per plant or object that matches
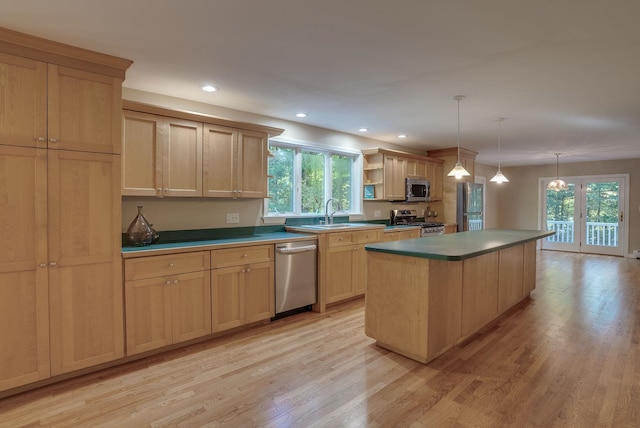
(568, 357)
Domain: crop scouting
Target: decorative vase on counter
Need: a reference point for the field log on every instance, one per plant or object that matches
(140, 232)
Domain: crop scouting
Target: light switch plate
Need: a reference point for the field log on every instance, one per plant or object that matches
(233, 217)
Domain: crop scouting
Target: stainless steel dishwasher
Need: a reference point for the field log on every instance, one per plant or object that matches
(296, 275)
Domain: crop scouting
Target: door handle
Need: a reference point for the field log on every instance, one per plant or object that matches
(621, 216)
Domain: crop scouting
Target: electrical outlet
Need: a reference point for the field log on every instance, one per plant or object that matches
(233, 217)
(377, 213)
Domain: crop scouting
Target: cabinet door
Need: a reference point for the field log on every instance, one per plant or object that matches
(259, 292)
(359, 271)
(339, 273)
(434, 173)
(416, 168)
(219, 167)
(148, 313)
(252, 164)
(529, 268)
(227, 298)
(394, 175)
(24, 312)
(182, 158)
(84, 111)
(23, 85)
(191, 296)
(85, 273)
(141, 154)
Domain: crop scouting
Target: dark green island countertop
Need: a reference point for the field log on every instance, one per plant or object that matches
(459, 246)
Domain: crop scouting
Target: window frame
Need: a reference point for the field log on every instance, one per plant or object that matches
(299, 147)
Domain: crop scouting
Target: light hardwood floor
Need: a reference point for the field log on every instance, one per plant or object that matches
(567, 357)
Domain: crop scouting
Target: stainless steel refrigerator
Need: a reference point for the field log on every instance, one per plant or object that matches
(470, 207)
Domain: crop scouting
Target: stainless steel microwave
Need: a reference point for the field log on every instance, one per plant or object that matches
(417, 190)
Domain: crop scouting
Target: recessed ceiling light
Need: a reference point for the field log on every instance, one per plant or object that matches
(209, 88)
(402, 136)
(301, 114)
(363, 129)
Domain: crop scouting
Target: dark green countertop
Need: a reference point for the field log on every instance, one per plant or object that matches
(459, 246)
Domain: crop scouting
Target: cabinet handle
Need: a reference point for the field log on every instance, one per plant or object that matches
(168, 282)
(175, 281)
(42, 265)
(42, 139)
(243, 270)
(170, 264)
(53, 140)
(159, 190)
(245, 255)
(53, 264)
(248, 270)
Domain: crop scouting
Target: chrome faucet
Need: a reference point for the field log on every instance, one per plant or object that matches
(328, 219)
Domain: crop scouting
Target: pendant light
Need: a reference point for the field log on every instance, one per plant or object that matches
(458, 171)
(557, 184)
(499, 177)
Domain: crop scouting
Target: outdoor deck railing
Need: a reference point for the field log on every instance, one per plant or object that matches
(598, 233)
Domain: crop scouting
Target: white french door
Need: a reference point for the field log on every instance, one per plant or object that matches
(588, 217)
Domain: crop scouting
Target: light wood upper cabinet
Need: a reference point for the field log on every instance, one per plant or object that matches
(24, 303)
(142, 154)
(386, 170)
(161, 156)
(84, 111)
(23, 85)
(182, 158)
(234, 163)
(85, 271)
(50, 106)
(395, 168)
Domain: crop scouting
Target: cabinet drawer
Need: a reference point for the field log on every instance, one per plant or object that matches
(400, 235)
(241, 256)
(340, 239)
(366, 236)
(155, 266)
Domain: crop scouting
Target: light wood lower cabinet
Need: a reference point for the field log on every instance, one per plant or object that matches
(344, 263)
(242, 286)
(167, 300)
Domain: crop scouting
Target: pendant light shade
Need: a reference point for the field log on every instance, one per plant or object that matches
(557, 184)
(499, 177)
(458, 171)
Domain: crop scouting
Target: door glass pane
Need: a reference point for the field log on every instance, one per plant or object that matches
(312, 182)
(560, 213)
(281, 180)
(602, 209)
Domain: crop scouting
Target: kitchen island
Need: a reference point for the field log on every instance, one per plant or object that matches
(426, 295)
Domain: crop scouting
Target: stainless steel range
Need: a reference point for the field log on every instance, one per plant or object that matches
(409, 218)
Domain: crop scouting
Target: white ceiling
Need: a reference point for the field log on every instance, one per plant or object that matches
(564, 73)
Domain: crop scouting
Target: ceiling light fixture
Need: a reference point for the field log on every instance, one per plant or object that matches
(363, 129)
(458, 171)
(301, 114)
(499, 177)
(402, 136)
(208, 88)
(557, 184)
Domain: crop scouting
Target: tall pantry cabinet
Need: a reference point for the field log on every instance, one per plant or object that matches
(60, 263)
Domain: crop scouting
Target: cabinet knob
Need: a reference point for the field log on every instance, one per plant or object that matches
(168, 282)
(53, 140)
(248, 270)
(243, 270)
(53, 264)
(170, 264)
(42, 265)
(175, 281)
(42, 139)
(245, 255)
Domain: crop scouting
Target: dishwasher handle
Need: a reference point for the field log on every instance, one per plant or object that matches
(295, 250)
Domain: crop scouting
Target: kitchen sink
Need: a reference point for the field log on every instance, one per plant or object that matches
(333, 226)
